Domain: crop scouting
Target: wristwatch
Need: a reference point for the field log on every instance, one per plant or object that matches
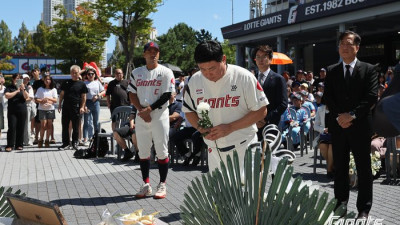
(352, 114)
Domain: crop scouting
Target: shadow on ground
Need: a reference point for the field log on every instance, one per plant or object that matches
(96, 201)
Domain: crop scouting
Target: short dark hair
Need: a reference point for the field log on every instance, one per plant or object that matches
(264, 48)
(44, 69)
(15, 75)
(357, 38)
(208, 51)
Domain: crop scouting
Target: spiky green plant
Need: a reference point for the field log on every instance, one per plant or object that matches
(222, 199)
(5, 208)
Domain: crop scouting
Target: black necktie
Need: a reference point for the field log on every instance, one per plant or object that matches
(347, 75)
(260, 78)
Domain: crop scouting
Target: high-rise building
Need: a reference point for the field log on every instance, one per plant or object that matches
(70, 5)
(49, 14)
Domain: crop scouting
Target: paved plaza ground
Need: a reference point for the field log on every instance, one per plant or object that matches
(84, 188)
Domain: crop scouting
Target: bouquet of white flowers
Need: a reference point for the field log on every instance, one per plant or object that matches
(202, 110)
(375, 167)
(204, 119)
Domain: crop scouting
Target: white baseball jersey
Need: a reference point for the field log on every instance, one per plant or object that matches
(230, 98)
(149, 85)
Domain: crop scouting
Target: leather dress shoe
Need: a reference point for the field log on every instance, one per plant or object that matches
(362, 215)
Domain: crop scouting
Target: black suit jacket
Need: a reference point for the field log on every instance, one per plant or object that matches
(359, 96)
(275, 90)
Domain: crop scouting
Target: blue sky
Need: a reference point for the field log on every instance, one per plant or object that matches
(210, 15)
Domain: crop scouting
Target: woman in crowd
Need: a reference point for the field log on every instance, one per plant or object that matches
(325, 143)
(30, 110)
(2, 88)
(16, 113)
(46, 96)
(95, 91)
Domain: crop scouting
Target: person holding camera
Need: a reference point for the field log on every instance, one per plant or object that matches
(17, 112)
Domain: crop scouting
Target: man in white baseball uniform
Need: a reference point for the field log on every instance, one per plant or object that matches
(149, 91)
(236, 99)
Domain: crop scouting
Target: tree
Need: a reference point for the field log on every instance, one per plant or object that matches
(20, 41)
(229, 51)
(30, 46)
(133, 22)
(40, 38)
(204, 35)
(77, 39)
(178, 45)
(5, 65)
(117, 59)
(5, 38)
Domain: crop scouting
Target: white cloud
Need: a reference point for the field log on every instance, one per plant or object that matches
(216, 17)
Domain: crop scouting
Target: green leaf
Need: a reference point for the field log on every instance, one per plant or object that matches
(220, 198)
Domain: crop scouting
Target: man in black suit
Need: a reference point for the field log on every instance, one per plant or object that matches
(274, 86)
(351, 89)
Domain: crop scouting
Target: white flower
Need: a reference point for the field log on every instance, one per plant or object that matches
(203, 107)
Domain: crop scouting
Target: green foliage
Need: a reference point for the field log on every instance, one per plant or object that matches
(5, 208)
(78, 39)
(40, 38)
(177, 46)
(204, 35)
(21, 40)
(220, 198)
(133, 22)
(30, 46)
(5, 65)
(117, 59)
(229, 51)
(5, 38)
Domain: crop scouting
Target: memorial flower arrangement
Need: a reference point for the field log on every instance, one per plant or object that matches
(375, 167)
(375, 163)
(136, 217)
(125, 216)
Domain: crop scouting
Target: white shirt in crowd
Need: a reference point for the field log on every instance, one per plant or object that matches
(94, 88)
(46, 93)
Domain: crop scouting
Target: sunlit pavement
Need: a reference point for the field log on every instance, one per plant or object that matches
(84, 188)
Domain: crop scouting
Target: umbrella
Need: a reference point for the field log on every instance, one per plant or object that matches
(280, 59)
(172, 67)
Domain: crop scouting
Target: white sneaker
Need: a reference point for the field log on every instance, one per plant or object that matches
(161, 191)
(145, 190)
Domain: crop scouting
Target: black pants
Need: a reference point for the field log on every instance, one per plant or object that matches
(198, 142)
(359, 142)
(16, 127)
(70, 113)
(179, 137)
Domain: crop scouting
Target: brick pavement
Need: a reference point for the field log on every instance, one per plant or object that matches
(84, 188)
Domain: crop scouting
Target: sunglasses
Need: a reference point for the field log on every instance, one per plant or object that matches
(90, 74)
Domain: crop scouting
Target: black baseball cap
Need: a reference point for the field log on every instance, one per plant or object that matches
(295, 84)
(151, 45)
